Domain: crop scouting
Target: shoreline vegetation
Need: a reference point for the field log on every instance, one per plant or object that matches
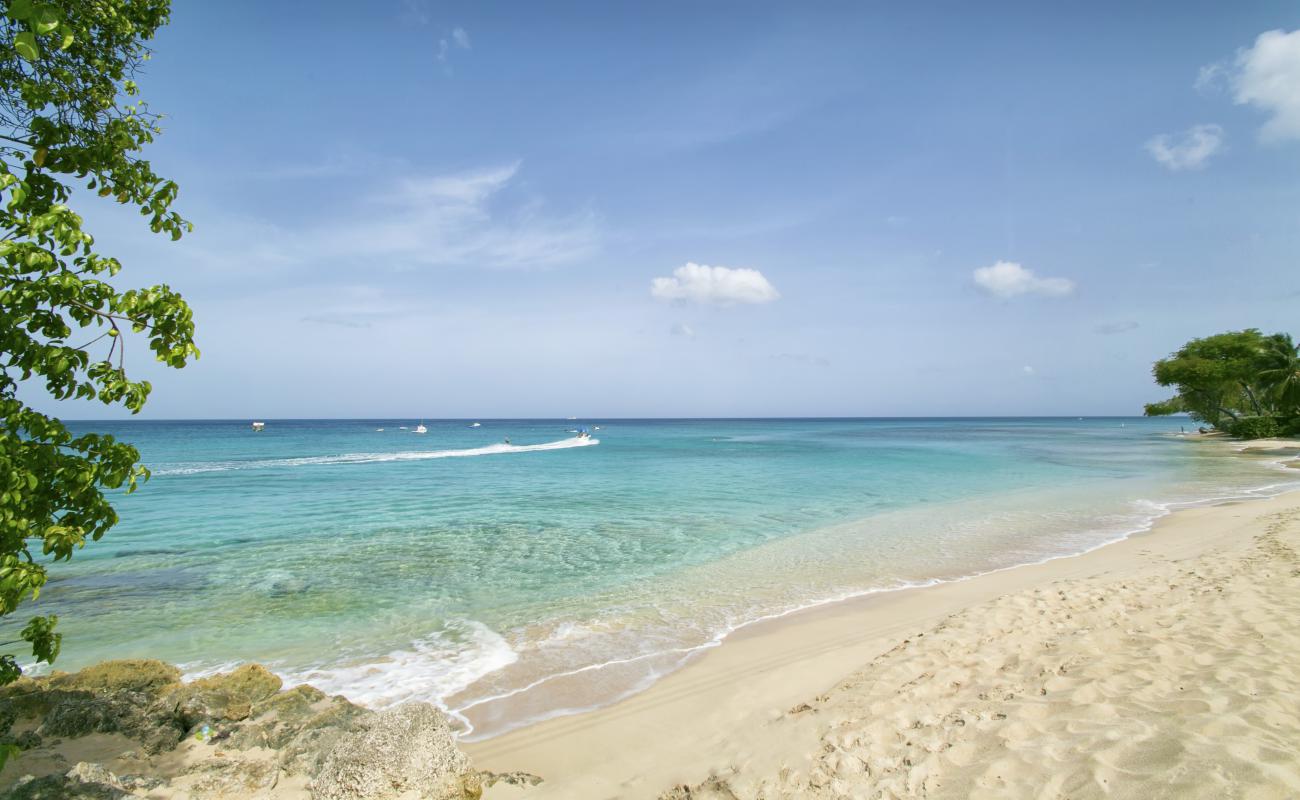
(1130, 664)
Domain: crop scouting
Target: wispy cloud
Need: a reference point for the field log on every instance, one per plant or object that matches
(683, 330)
(457, 219)
(1008, 279)
(721, 286)
(1191, 150)
(1112, 328)
(458, 39)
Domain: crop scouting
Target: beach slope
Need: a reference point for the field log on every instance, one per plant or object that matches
(1161, 666)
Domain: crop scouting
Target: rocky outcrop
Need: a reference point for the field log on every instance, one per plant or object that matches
(82, 782)
(406, 749)
(238, 734)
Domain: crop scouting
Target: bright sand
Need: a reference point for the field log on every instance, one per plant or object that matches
(1165, 665)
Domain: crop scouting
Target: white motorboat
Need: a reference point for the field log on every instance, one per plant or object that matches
(420, 429)
(258, 427)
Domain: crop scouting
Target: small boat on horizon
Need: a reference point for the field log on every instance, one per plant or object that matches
(420, 428)
(476, 425)
(258, 427)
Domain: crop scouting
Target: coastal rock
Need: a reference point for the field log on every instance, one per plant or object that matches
(305, 741)
(226, 697)
(145, 676)
(257, 735)
(82, 782)
(234, 779)
(409, 748)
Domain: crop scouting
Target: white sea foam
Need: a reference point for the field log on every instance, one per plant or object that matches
(374, 458)
(432, 668)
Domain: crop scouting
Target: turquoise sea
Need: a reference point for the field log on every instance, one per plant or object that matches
(514, 582)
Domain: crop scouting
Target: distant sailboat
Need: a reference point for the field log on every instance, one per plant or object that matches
(420, 428)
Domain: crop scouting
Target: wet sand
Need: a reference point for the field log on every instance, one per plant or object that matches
(1163, 665)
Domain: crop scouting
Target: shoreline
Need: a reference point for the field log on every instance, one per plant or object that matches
(682, 728)
(1285, 455)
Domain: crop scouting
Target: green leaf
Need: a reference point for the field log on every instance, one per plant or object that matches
(20, 10)
(26, 46)
(46, 19)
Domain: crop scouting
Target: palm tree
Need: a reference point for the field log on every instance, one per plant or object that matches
(1280, 375)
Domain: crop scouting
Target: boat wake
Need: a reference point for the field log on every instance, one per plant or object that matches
(375, 458)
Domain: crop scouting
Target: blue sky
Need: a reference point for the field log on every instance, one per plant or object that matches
(413, 208)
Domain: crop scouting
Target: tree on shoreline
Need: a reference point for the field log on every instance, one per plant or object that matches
(70, 119)
(1244, 382)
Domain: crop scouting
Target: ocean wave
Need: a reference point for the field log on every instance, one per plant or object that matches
(433, 668)
(374, 458)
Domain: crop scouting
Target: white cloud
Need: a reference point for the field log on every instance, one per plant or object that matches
(1028, 370)
(1267, 76)
(461, 38)
(722, 286)
(682, 329)
(1191, 150)
(1009, 279)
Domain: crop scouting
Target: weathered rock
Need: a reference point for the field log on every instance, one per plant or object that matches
(305, 744)
(226, 697)
(345, 750)
(405, 749)
(86, 772)
(144, 676)
(78, 713)
(252, 682)
(141, 783)
(292, 705)
(82, 782)
(234, 779)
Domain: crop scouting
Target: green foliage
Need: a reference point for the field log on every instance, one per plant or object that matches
(1255, 428)
(1224, 378)
(69, 119)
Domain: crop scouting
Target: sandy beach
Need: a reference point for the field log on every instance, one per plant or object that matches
(1160, 666)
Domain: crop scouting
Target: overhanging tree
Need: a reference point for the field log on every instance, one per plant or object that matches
(1229, 377)
(71, 119)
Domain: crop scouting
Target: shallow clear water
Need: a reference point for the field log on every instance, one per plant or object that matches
(514, 583)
